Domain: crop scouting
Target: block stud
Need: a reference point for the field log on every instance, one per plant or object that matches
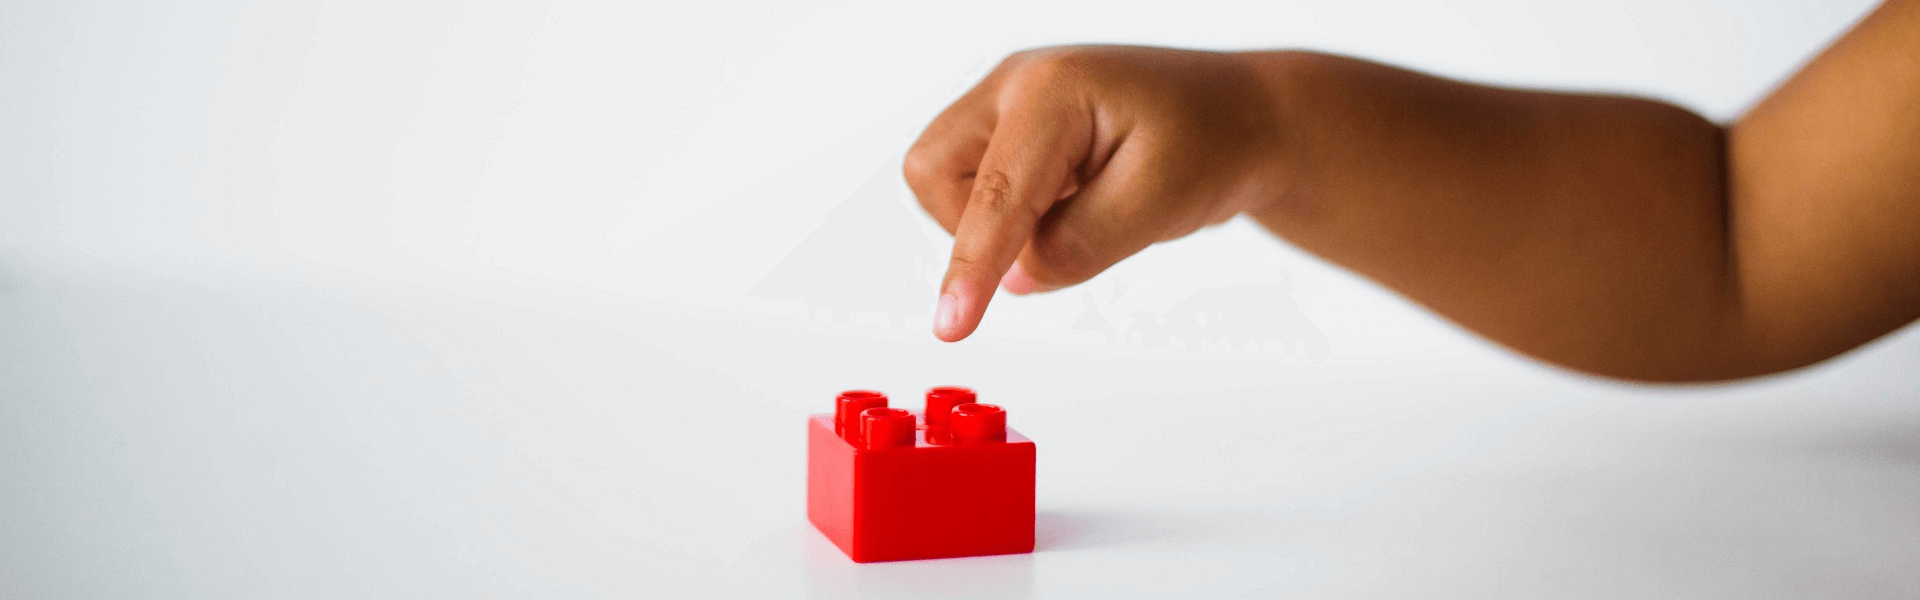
(940, 403)
(886, 428)
(976, 423)
(846, 412)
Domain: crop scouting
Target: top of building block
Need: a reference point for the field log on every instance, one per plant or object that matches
(951, 417)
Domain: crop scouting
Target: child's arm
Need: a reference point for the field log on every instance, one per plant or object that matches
(1619, 236)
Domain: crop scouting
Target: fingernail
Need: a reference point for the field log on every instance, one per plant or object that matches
(946, 316)
(1017, 282)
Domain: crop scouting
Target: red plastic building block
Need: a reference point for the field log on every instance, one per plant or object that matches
(887, 484)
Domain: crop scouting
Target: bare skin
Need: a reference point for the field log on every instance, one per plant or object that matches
(1618, 236)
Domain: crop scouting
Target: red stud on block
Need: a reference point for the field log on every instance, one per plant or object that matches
(884, 485)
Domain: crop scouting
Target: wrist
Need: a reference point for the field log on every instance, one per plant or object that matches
(1287, 80)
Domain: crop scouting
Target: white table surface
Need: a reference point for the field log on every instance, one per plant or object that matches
(195, 432)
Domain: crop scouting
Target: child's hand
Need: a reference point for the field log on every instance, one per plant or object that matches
(1071, 159)
(1609, 234)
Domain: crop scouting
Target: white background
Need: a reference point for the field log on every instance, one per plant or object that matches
(452, 299)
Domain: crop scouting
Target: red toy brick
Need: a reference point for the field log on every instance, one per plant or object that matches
(883, 485)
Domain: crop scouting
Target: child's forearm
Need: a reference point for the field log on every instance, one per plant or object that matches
(1621, 236)
(1589, 231)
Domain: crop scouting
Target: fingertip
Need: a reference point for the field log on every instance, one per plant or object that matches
(946, 319)
(961, 308)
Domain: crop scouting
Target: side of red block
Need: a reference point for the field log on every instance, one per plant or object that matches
(830, 482)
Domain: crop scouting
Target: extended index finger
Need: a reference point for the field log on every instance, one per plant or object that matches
(1037, 143)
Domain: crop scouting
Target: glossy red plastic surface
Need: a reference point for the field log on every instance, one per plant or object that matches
(940, 403)
(885, 428)
(887, 496)
(847, 409)
(978, 423)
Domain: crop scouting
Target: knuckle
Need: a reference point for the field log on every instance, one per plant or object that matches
(1022, 58)
(993, 193)
(1063, 64)
(919, 166)
(1056, 69)
(992, 189)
